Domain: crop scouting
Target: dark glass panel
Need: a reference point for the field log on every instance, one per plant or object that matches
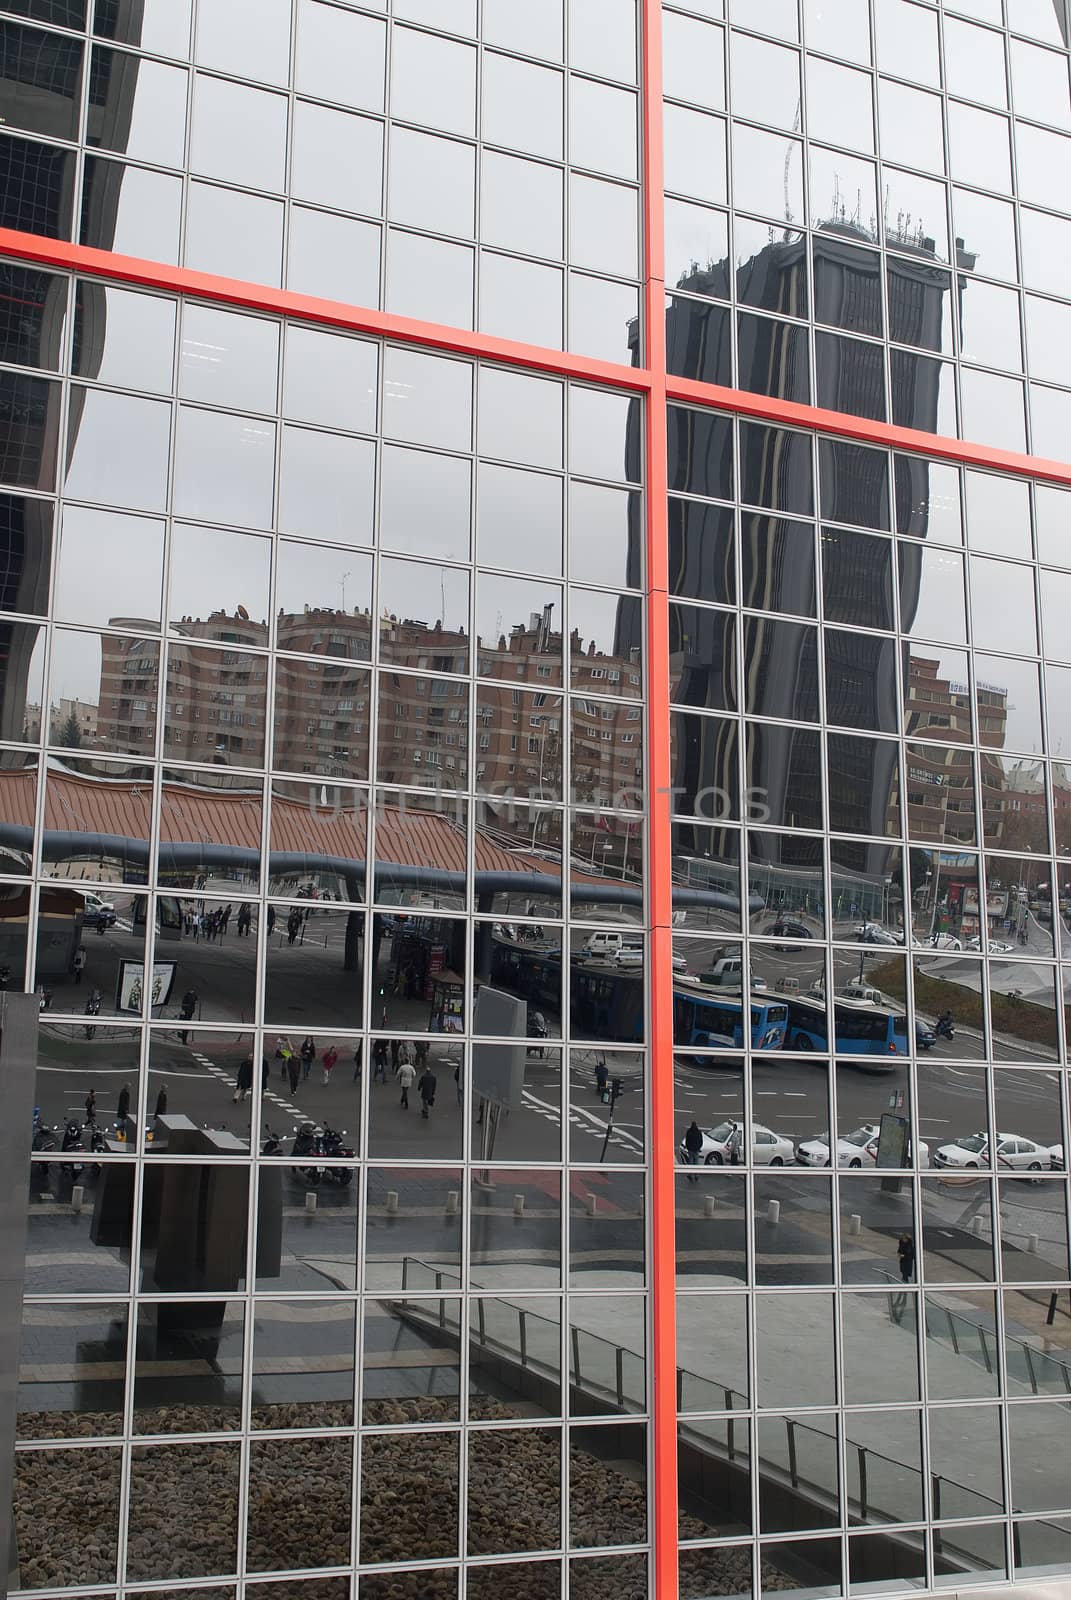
(850, 376)
(37, 184)
(847, 284)
(702, 652)
(775, 468)
(857, 578)
(783, 775)
(780, 669)
(701, 552)
(773, 358)
(778, 564)
(699, 340)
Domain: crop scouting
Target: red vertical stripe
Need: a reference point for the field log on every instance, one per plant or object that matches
(659, 842)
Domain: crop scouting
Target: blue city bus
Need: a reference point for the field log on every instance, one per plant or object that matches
(861, 1030)
(714, 1021)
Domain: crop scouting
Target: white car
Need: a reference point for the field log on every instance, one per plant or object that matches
(853, 1149)
(997, 947)
(972, 1152)
(943, 941)
(1056, 1157)
(720, 1144)
(924, 1151)
(629, 955)
(874, 933)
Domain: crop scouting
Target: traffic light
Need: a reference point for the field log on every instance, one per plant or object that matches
(615, 1089)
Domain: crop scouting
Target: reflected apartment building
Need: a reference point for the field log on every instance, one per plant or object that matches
(389, 694)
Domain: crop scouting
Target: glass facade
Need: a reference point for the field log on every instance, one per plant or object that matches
(534, 677)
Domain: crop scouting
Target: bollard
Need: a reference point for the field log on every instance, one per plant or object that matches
(591, 1204)
(855, 1222)
(518, 1205)
(78, 1194)
(709, 1205)
(976, 1226)
(310, 1199)
(392, 1202)
(773, 1211)
(1032, 1243)
(451, 1202)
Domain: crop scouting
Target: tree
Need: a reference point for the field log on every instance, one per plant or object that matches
(70, 734)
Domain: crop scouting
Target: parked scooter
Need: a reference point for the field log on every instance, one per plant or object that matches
(333, 1149)
(93, 1005)
(273, 1144)
(323, 1148)
(44, 1138)
(72, 1140)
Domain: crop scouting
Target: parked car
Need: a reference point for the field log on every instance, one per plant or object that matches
(874, 933)
(1013, 1150)
(726, 973)
(925, 1037)
(787, 928)
(943, 941)
(768, 1149)
(96, 913)
(924, 1151)
(629, 955)
(997, 947)
(852, 1148)
(1056, 1157)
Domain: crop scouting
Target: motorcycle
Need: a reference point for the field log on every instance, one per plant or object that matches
(273, 1145)
(93, 1005)
(72, 1140)
(306, 1143)
(943, 1028)
(333, 1149)
(44, 1138)
(325, 1148)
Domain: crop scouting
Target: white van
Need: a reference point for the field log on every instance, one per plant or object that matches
(607, 946)
(863, 991)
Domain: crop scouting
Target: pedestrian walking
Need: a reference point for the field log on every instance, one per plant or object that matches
(308, 1056)
(243, 921)
(602, 1074)
(358, 1050)
(327, 1061)
(271, 921)
(395, 1048)
(905, 1254)
(457, 1082)
(264, 1072)
(79, 964)
(245, 1079)
(427, 1092)
(379, 1061)
(122, 1109)
(91, 1107)
(186, 1011)
(693, 1145)
(161, 1102)
(406, 1076)
(225, 917)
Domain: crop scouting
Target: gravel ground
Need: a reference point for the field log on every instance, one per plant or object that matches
(184, 1510)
